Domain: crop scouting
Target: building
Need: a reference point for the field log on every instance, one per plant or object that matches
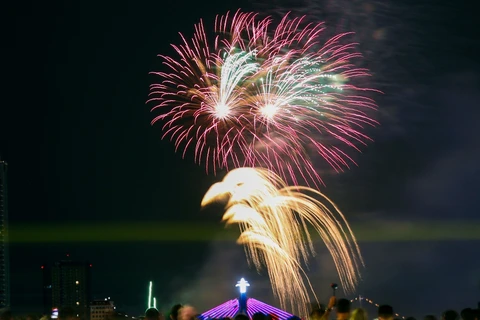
(4, 257)
(68, 284)
(243, 305)
(101, 309)
(47, 290)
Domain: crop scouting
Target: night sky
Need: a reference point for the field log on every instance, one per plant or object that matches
(75, 130)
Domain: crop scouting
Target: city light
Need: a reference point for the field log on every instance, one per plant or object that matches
(54, 313)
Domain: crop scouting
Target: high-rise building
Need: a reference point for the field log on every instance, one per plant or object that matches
(102, 309)
(4, 257)
(47, 290)
(67, 284)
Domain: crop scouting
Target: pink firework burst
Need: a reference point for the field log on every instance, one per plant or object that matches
(263, 96)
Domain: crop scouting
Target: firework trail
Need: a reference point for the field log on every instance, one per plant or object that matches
(264, 96)
(274, 221)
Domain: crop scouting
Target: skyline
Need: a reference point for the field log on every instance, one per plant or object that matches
(76, 133)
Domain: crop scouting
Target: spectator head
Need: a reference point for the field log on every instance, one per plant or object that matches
(317, 314)
(343, 306)
(187, 313)
(259, 316)
(468, 314)
(66, 313)
(450, 315)
(174, 311)
(241, 316)
(152, 314)
(385, 312)
(430, 317)
(410, 318)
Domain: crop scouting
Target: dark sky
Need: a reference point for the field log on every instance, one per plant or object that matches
(76, 133)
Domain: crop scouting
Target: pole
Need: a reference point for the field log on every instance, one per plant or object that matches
(334, 287)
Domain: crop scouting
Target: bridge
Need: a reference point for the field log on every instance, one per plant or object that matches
(364, 302)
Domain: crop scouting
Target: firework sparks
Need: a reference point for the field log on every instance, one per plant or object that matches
(263, 96)
(274, 220)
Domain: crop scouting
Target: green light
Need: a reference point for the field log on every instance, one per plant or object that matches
(149, 295)
(134, 232)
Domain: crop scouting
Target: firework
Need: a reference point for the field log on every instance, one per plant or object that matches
(274, 221)
(264, 96)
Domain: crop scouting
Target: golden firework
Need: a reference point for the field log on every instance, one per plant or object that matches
(274, 221)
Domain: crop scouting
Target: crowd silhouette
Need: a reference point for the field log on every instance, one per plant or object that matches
(340, 309)
(337, 309)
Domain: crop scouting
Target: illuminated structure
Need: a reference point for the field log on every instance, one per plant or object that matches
(152, 302)
(4, 257)
(101, 309)
(67, 284)
(243, 305)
